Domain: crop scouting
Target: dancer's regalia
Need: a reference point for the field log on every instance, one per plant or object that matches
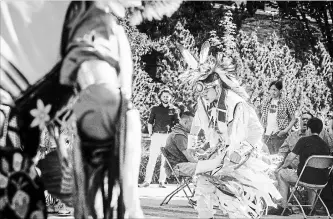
(234, 177)
(91, 80)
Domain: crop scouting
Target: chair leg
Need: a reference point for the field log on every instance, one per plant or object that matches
(292, 195)
(170, 196)
(304, 215)
(188, 186)
(322, 202)
(187, 196)
(176, 191)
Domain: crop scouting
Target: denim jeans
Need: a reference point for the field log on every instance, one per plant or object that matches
(274, 142)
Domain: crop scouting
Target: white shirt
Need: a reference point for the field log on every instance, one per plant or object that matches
(272, 125)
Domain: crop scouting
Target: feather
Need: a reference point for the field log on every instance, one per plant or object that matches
(152, 10)
(188, 57)
(204, 52)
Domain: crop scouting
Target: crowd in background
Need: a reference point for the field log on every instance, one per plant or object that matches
(283, 122)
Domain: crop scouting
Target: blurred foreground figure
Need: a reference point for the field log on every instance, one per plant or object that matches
(89, 88)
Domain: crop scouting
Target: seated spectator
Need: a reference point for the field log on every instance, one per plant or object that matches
(292, 139)
(305, 147)
(180, 157)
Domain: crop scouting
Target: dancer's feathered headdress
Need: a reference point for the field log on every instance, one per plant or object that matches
(207, 71)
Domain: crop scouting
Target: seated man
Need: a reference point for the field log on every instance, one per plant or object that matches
(307, 146)
(180, 157)
(290, 142)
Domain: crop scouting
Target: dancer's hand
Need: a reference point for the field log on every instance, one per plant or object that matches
(235, 157)
(281, 133)
(266, 160)
(277, 170)
(202, 156)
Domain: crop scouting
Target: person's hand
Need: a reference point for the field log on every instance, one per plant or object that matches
(277, 170)
(150, 134)
(281, 133)
(199, 151)
(266, 160)
(202, 156)
(235, 157)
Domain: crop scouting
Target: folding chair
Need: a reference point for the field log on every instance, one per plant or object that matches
(183, 182)
(319, 162)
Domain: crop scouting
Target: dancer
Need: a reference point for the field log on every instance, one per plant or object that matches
(233, 129)
(96, 63)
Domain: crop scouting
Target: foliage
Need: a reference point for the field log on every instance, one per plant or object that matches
(199, 17)
(307, 12)
(173, 64)
(260, 63)
(144, 88)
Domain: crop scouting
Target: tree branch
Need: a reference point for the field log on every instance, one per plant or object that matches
(328, 30)
(330, 9)
(306, 21)
(319, 22)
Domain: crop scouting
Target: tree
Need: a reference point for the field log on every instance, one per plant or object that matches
(169, 65)
(306, 13)
(260, 63)
(199, 17)
(308, 80)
